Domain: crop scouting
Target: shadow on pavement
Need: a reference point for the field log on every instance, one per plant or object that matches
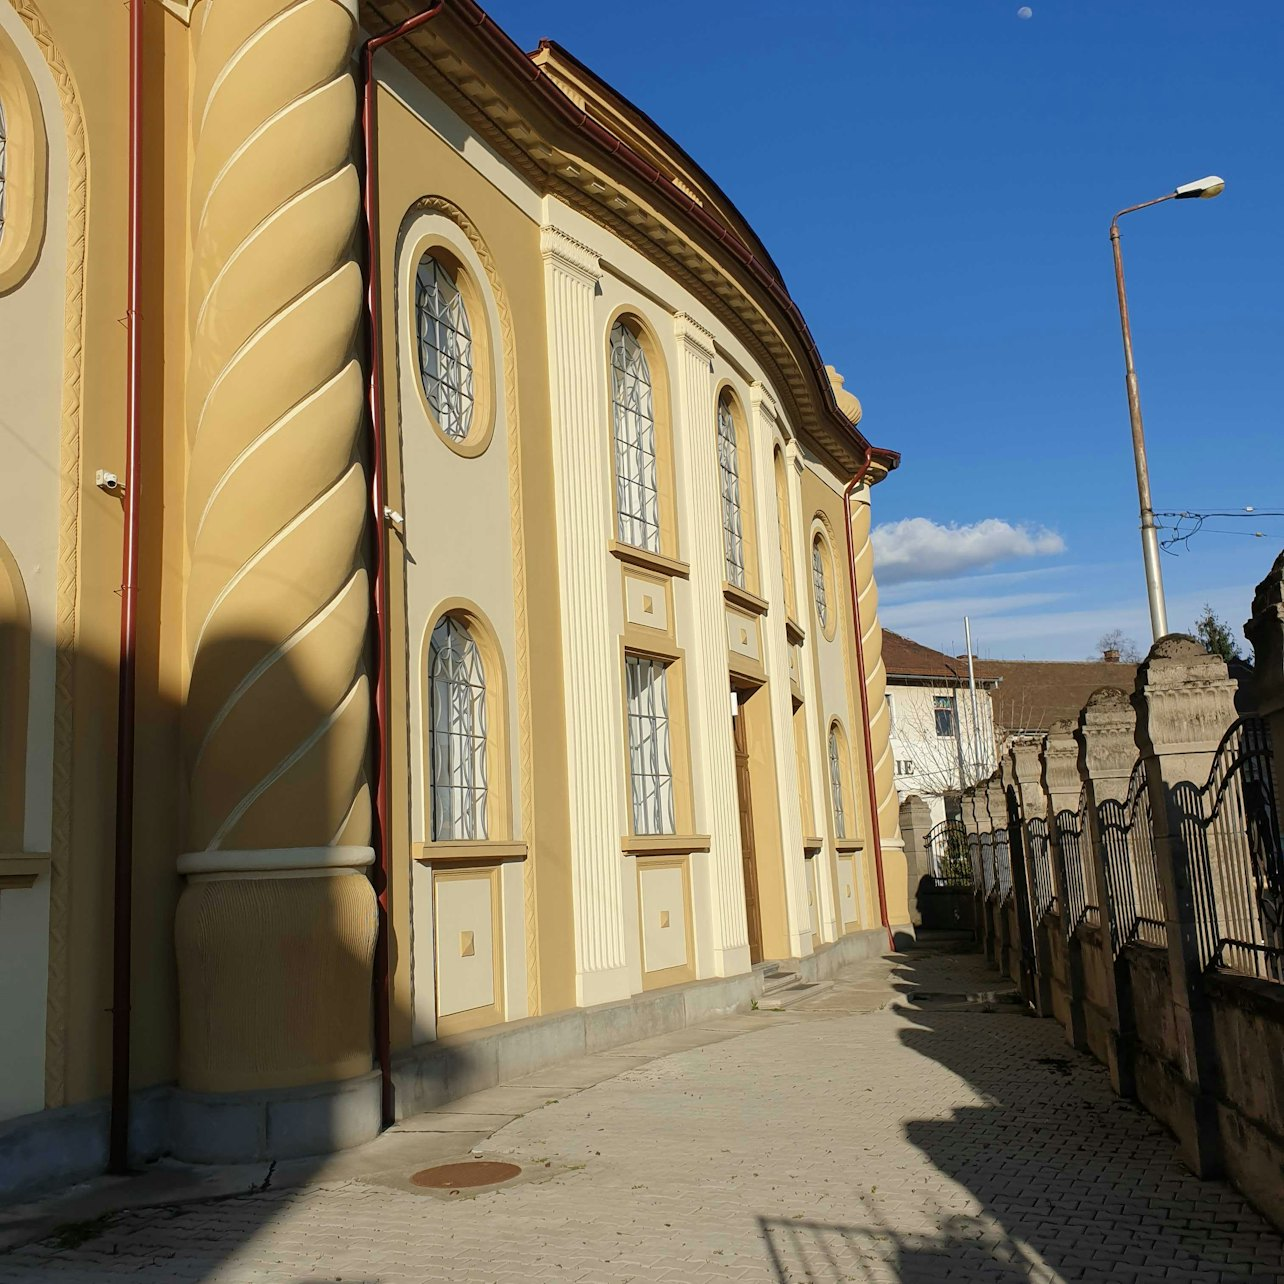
(1068, 1181)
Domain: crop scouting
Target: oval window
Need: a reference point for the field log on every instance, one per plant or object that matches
(445, 340)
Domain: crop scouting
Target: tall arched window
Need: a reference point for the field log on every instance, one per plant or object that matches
(820, 583)
(733, 537)
(2, 167)
(836, 782)
(636, 490)
(457, 733)
(445, 347)
(782, 529)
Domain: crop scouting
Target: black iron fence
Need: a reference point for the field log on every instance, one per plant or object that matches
(1231, 829)
(1127, 836)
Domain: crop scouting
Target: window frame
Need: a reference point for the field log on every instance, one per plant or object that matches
(458, 326)
(665, 792)
(429, 230)
(735, 544)
(946, 704)
(823, 580)
(26, 164)
(476, 818)
(625, 447)
(835, 749)
(784, 528)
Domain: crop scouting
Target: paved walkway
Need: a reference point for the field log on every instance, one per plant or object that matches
(841, 1140)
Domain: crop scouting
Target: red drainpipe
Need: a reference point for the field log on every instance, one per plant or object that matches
(122, 902)
(864, 694)
(378, 506)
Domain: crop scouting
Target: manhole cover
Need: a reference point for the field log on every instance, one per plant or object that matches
(473, 1172)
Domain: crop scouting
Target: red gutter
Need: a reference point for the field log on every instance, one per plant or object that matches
(122, 897)
(378, 506)
(864, 694)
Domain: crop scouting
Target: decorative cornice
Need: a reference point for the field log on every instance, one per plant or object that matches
(563, 250)
(763, 401)
(694, 335)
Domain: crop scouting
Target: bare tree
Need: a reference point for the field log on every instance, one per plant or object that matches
(1118, 642)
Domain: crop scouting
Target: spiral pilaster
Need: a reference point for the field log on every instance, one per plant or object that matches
(277, 608)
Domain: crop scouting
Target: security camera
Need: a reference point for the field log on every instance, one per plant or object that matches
(108, 482)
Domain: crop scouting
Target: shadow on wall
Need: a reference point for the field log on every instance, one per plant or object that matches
(1064, 1177)
(275, 972)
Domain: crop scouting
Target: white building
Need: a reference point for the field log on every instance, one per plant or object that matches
(938, 746)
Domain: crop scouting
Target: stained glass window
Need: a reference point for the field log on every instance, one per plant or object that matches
(819, 583)
(636, 495)
(650, 762)
(3, 136)
(836, 783)
(732, 530)
(445, 348)
(458, 733)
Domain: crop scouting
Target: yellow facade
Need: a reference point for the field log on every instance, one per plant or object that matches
(624, 717)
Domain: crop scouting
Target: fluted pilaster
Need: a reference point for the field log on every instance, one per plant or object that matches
(776, 655)
(711, 724)
(880, 730)
(277, 720)
(591, 664)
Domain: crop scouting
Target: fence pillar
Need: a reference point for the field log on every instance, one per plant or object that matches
(1062, 786)
(996, 809)
(1265, 631)
(1185, 702)
(1108, 753)
(1033, 812)
(916, 824)
(973, 823)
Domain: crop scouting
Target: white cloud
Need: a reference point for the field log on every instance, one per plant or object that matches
(917, 548)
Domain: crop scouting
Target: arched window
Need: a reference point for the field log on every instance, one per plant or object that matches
(2, 167)
(650, 752)
(733, 537)
(836, 782)
(782, 529)
(445, 347)
(457, 733)
(820, 582)
(632, 409)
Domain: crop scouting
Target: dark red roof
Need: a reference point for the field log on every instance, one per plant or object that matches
(905, 658)
(1035, 693)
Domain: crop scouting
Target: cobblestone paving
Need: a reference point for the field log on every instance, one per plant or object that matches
(928, 1143)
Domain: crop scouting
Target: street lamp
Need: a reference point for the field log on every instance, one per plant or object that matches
(1203, 189)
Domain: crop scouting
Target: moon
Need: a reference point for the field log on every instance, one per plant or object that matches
(1025, 12)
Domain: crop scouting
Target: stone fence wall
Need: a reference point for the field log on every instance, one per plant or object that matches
(1128, 875)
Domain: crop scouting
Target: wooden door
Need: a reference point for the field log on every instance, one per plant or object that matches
(752, 916)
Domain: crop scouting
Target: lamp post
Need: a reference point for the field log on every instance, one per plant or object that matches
(1204, 189)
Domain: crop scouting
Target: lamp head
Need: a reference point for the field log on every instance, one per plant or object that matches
(1204, 188)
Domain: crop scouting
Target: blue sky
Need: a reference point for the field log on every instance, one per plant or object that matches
(935, 179)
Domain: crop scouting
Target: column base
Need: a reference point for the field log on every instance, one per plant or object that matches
(284, 1123)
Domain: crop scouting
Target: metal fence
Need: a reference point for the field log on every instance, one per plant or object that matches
(1127, 838)
(1003, 864)
(1231, 830)
(1043, 892)
(1080, 874)
(948, 851)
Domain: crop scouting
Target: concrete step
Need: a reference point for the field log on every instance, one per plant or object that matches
(785, 997)
(778, 980)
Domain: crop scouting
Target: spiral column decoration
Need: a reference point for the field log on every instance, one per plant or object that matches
(276, 924)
